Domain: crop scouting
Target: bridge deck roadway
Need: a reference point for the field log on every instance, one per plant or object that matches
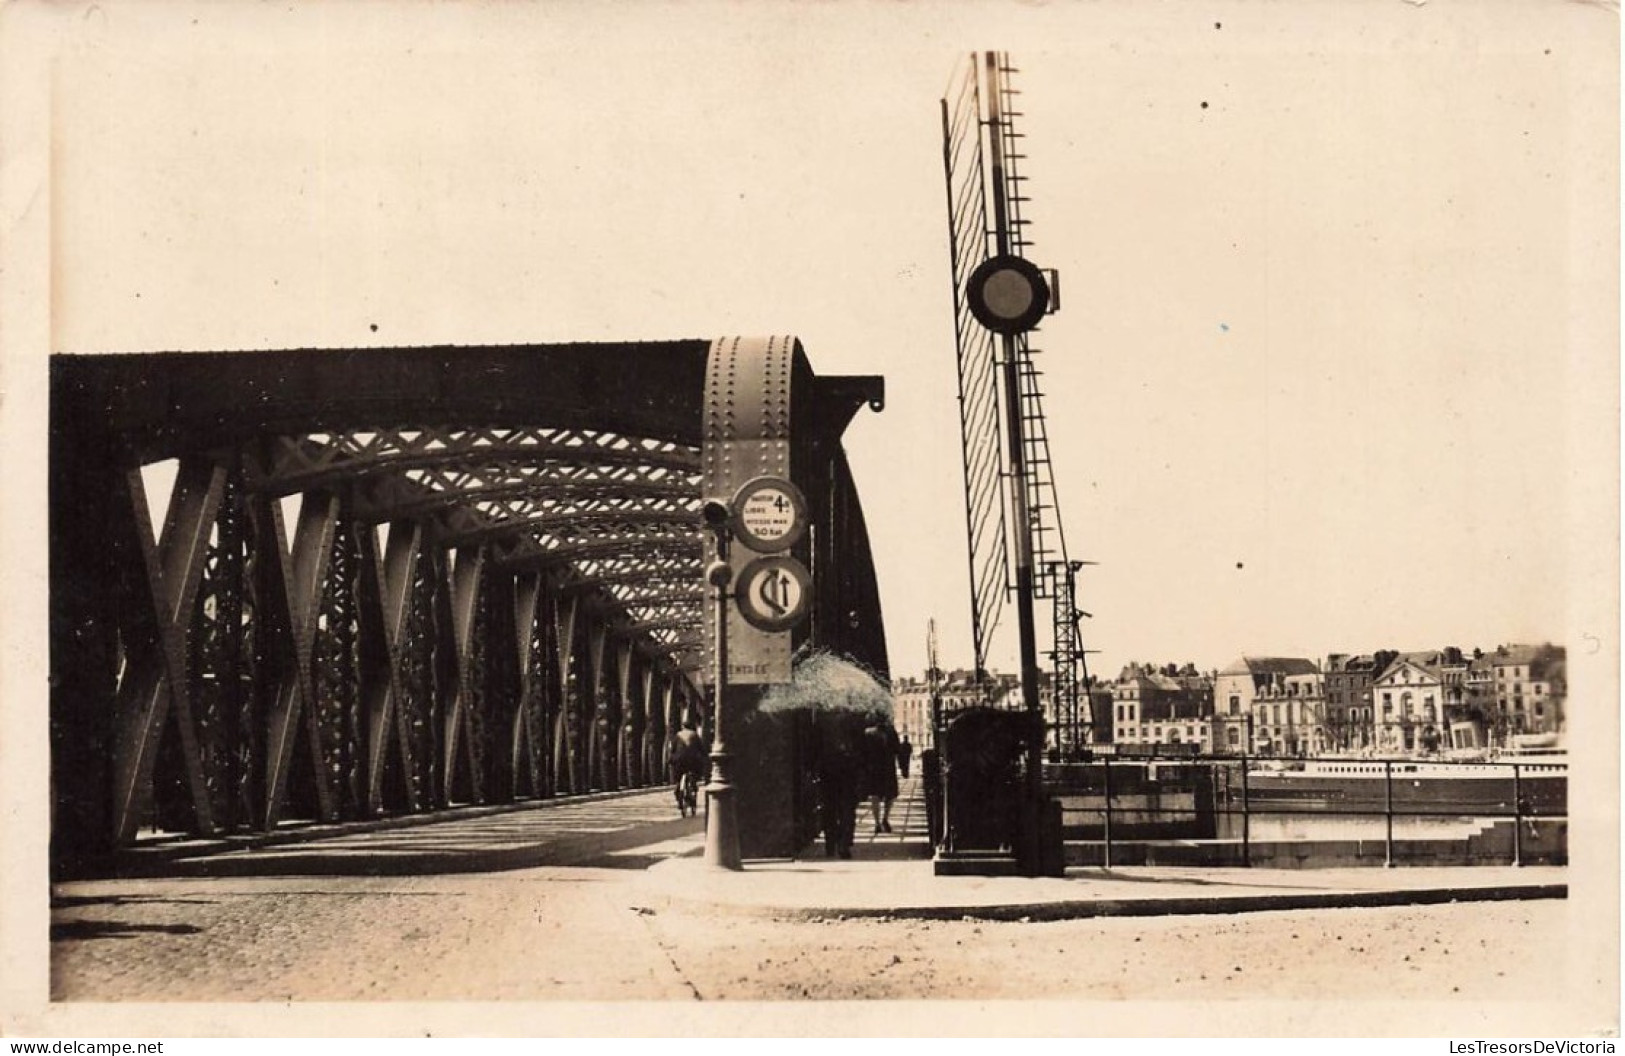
(606, 900)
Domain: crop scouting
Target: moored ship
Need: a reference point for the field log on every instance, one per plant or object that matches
(1524, 780)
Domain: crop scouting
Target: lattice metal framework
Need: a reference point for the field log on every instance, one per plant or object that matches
(970, 241)
(986, 192)
(385, 581)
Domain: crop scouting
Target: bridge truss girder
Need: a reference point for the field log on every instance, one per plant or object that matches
(354, 607)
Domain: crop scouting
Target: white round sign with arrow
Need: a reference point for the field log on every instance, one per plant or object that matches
(772, 592)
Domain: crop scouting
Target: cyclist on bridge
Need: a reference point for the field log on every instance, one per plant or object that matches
(689, 761)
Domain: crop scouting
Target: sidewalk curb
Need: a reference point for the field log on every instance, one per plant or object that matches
(1083, 909)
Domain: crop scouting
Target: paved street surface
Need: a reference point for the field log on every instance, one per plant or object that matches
(575, 902)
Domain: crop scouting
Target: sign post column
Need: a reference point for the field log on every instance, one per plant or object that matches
(753, 514)
(721, 812)
(771, 591)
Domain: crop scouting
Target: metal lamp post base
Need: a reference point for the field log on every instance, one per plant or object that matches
(721, 821)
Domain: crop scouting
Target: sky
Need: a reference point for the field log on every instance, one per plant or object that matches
(1335, 365)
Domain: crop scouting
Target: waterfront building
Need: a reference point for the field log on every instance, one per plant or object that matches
(1410, 697)
(1291, 715)
(957, 689)
(1170, 706)
(1100, 713)
(1258, 713)
(1530, 683)
(911, 710)
(1350, 719)
(1473, 729)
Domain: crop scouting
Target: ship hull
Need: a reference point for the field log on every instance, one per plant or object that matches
(1412, 792)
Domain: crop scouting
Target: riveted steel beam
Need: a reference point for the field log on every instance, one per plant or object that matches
(652, 599)
(564, 758)
(465, 596)
(527, 592)
(592, 703)
(165, 404)
(625, 547)
(670, 617)
(654, 726)
(301, 574)
(683, 623)
(299, 463)
(626, 711)
(684, 524)
(393, 497)
(173, 566)
(673, 573)
(391, 575)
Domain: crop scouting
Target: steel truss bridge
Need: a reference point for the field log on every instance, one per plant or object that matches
(400, 580)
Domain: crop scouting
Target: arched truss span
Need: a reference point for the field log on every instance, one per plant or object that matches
(391, 580)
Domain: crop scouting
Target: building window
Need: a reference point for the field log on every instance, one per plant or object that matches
(1235, 705)
(1235, 737)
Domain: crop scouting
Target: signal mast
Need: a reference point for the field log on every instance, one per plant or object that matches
(1013, 526)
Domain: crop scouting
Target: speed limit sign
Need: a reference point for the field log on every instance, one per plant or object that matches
(769, 514)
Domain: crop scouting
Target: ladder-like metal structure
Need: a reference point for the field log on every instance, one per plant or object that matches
(1072, 708)
(969, 242)
(982, 155)
(1008, 467)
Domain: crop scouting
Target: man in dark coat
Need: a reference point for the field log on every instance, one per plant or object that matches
(837, 763)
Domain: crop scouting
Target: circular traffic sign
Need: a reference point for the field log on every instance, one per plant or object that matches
(772, 592)
(1007, 294)
(769, 514)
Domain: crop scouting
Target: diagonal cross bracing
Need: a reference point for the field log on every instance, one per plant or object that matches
(300, 463)
(580, 502)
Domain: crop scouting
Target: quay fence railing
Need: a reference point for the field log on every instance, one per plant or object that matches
(1236, 795)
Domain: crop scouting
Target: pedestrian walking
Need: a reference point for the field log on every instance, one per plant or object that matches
(837, 764)
(905, 752)
(880, 755)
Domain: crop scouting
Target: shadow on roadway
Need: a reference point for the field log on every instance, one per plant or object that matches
(416, 851)
(111, 929)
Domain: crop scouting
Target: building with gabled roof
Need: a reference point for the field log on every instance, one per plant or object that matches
(1409, 696)
(1270, 705)
(1530, 686)
(1163, 707)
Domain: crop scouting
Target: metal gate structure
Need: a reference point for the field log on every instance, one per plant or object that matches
(395, 580)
